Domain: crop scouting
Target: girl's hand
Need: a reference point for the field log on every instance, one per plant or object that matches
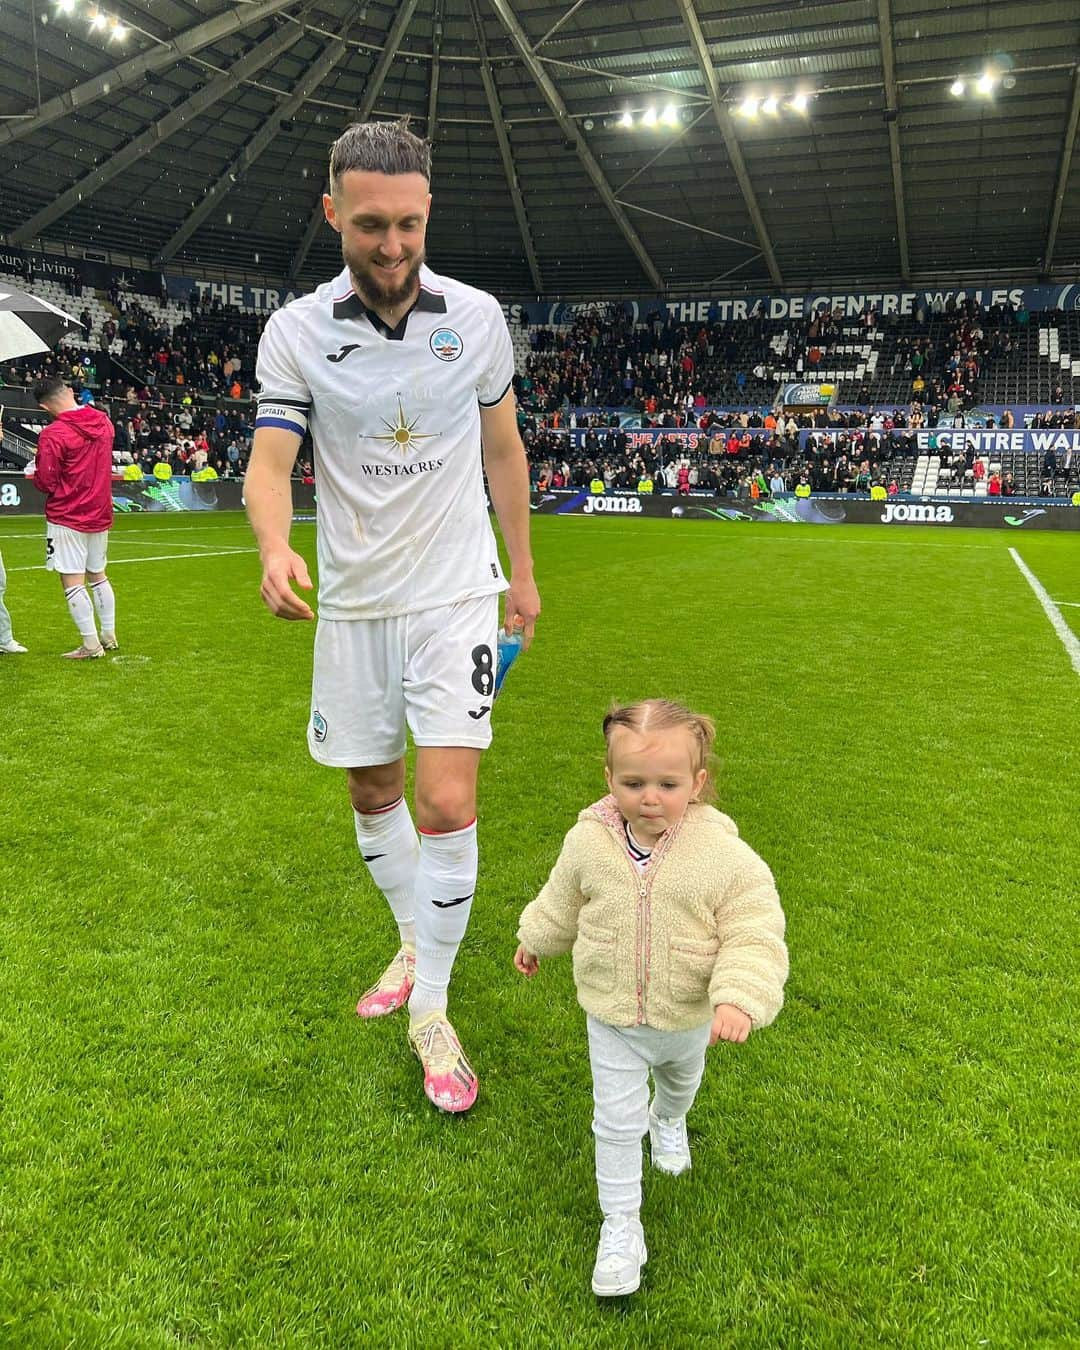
(526, 962)
(729, 1024)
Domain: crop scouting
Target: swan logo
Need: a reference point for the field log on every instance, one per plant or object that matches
(446, 344)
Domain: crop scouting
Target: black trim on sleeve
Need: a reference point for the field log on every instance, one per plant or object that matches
(285, 402)
(498, 400)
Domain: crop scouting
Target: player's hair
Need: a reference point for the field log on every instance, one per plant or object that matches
(661, 714)
(379, 147)
(47, 388)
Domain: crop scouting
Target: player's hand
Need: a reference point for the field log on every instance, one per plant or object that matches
(526, 962)
(279, 571)
(729, 1024)
(522, 607)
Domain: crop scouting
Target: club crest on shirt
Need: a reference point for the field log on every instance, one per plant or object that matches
(318, 726)
(446, 344)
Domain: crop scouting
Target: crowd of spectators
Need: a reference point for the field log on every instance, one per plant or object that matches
(741, 462)
(210, 352)
(153, 428)
(846, 451)
(180, 393)
(672, 373)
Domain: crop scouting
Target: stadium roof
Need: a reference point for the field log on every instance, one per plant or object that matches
(200, 138)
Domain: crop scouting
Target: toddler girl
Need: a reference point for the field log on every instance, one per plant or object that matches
(677, 938)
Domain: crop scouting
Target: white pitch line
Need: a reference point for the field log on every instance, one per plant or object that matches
(1072, 604)
(122, 532)
(186, 529)
(121, 535)
(116, 540)
(1069, 640)
(158, 543)
(171, 557)
(164, 557)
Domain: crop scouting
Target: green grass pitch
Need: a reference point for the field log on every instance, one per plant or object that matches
(201, 1145)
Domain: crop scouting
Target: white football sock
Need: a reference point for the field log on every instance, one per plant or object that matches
(388, 844)
(82, 611)
(445, 884)
(105, 604)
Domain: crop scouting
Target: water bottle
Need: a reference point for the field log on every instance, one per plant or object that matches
(510, 646)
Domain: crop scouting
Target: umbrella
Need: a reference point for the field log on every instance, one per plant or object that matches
(29, 325)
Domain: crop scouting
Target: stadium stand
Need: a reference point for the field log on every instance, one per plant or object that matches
(178, 378)
(970, 354)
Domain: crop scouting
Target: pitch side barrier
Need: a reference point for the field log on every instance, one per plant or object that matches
(816, 510)
(148, 496)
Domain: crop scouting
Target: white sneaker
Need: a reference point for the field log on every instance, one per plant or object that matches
(12, 647)
(619, 1257)
(668, 1144)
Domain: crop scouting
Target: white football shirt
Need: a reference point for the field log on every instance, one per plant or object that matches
(402, 516)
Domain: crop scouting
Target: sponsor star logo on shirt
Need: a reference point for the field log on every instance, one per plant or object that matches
(403, 433)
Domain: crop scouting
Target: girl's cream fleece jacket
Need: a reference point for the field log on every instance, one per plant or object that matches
(701, 926)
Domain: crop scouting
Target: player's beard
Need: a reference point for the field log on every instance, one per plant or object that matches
(374, 292)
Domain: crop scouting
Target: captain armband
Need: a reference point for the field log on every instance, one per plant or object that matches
(284, 416)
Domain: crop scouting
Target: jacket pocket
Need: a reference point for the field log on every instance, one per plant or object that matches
(594, 959)
(690, 963)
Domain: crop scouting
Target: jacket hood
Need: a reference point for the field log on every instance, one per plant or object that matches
(87, 421)
(607, 812)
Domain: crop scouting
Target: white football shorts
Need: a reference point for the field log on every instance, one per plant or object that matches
(72, 551)
(433, 672)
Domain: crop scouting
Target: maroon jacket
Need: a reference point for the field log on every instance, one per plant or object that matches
(74, 470)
